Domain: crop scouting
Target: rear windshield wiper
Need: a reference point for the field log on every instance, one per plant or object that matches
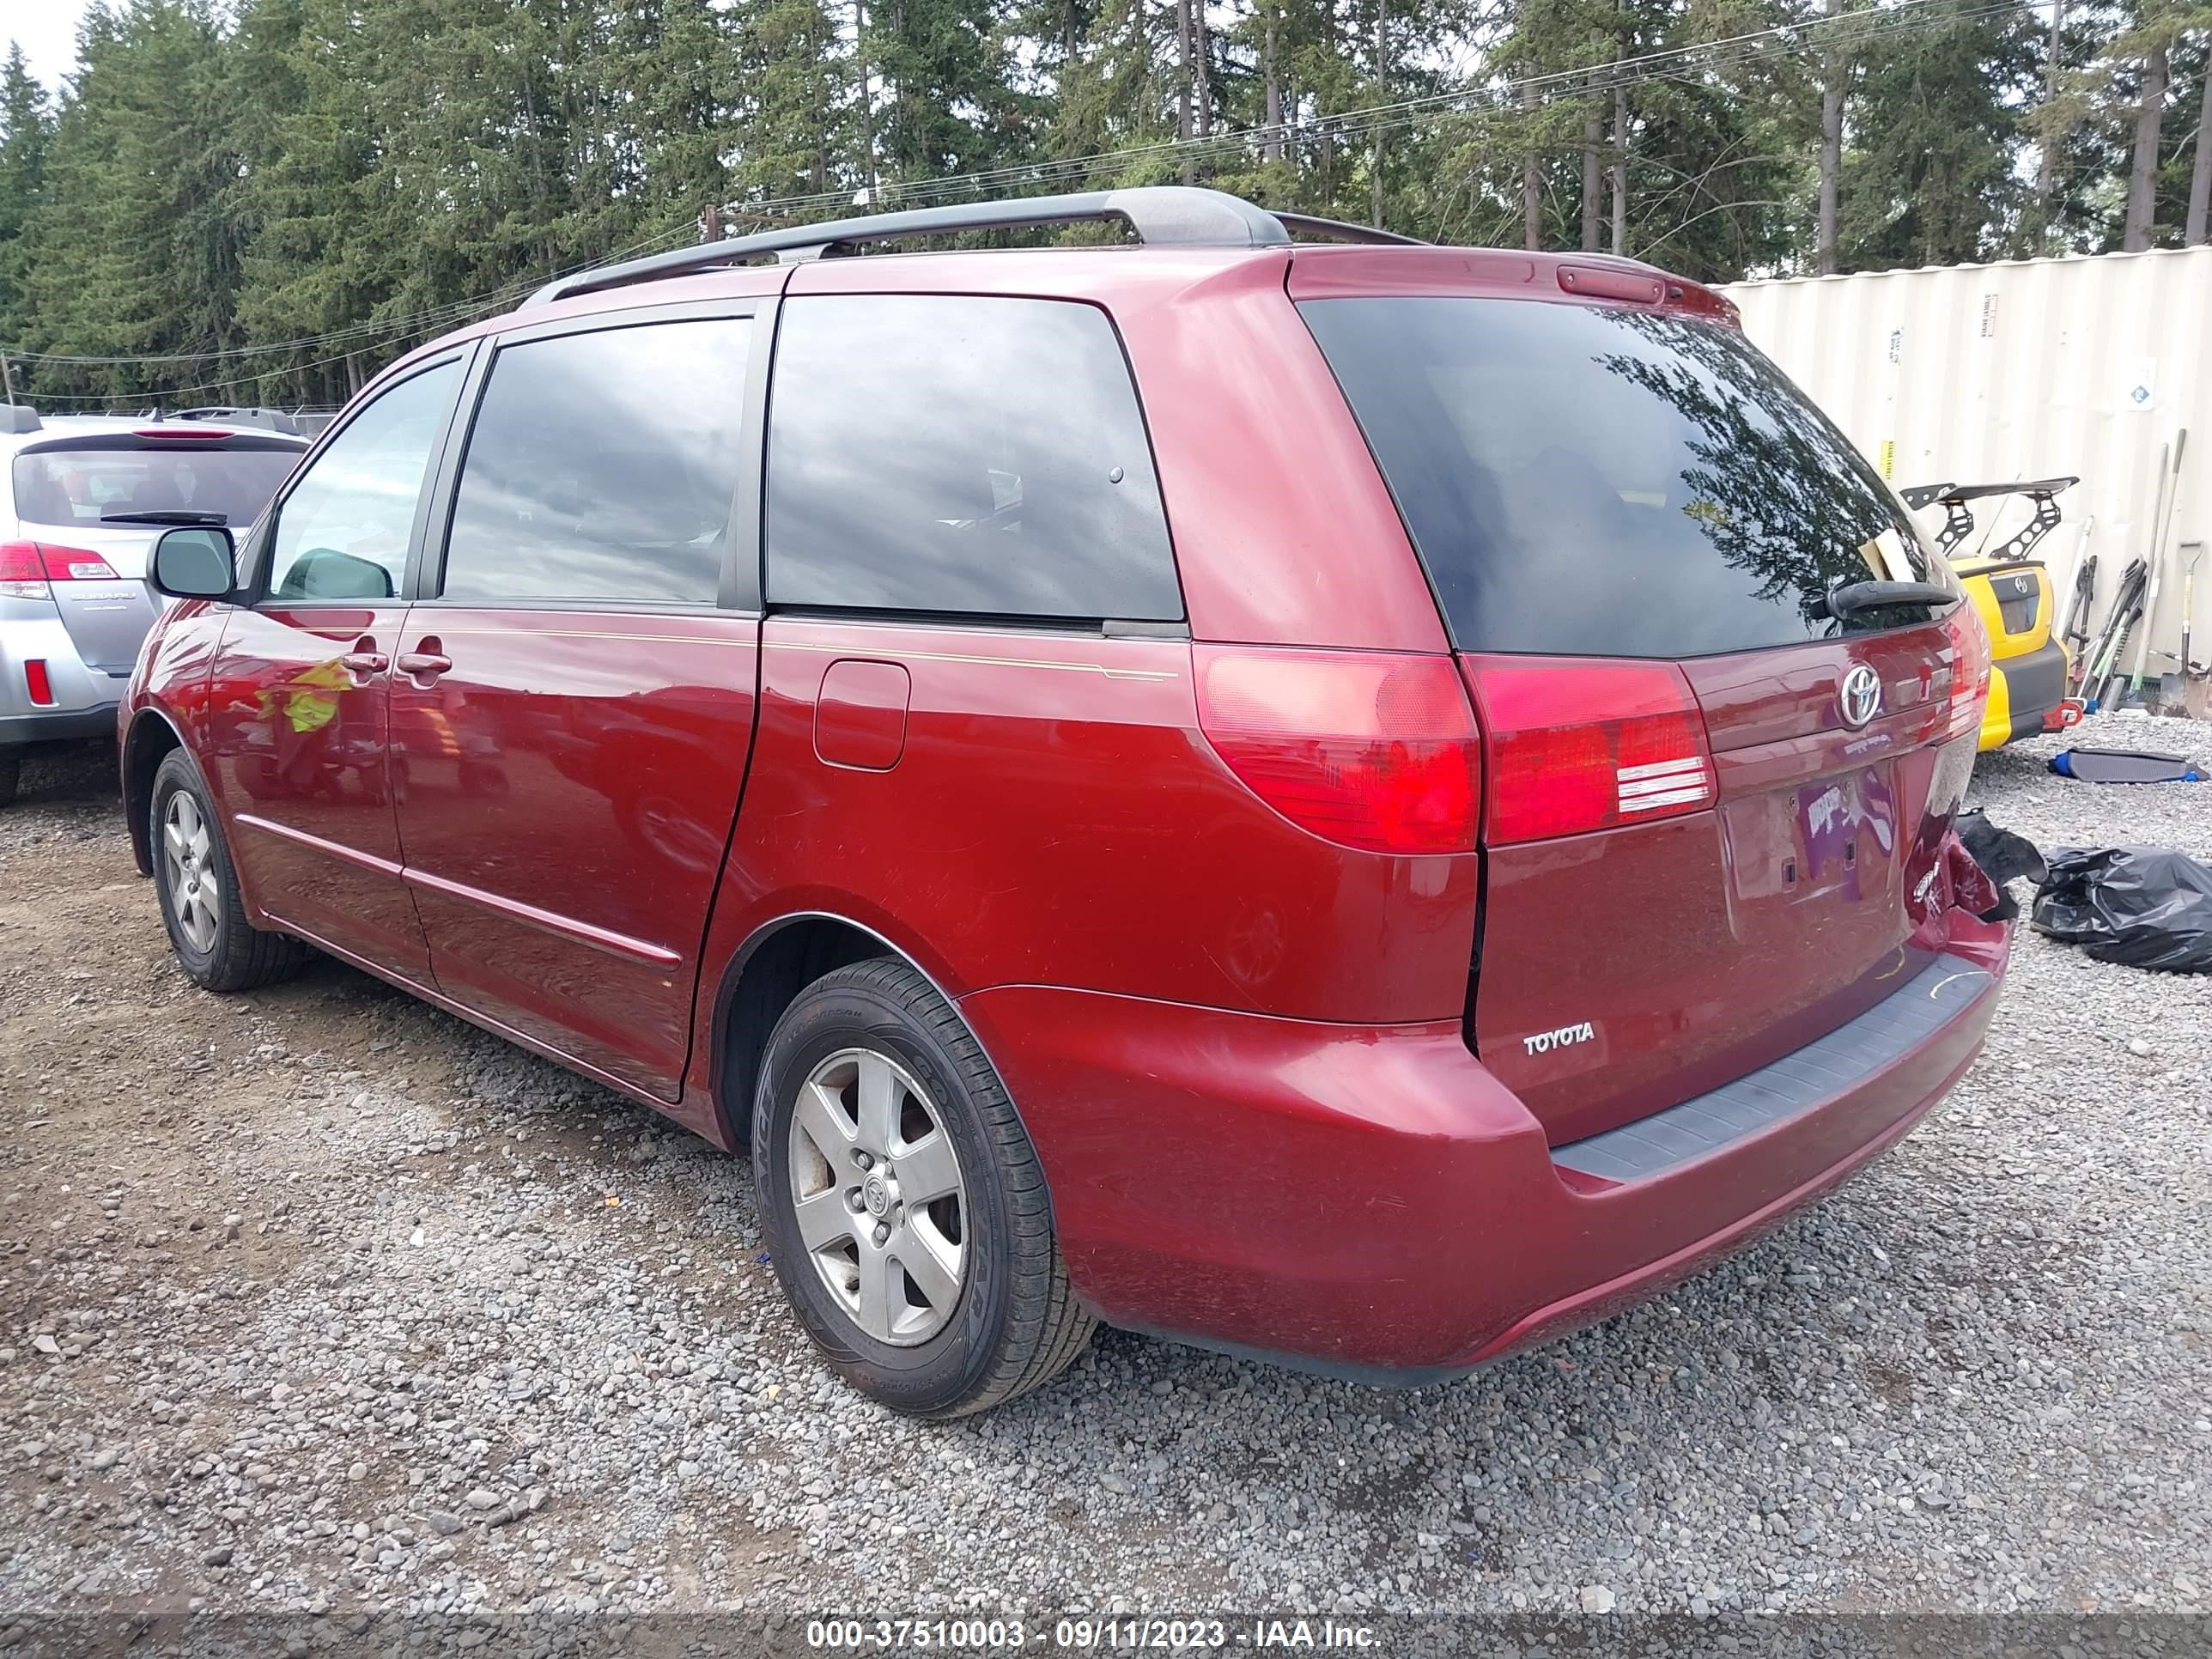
(171, 515)
(1853, 597)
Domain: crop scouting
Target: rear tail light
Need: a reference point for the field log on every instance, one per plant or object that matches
(23, 573)
(1576, 745)
(26, 568)
(36, 682)
(75, 564)
(1970, 671)
(1366, 749)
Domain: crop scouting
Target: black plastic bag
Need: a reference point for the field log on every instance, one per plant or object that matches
(2143, 906)
(2002, 856)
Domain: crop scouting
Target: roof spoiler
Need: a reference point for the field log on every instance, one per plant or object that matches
(1169, 215)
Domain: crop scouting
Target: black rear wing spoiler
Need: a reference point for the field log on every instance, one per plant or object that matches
(1958, 519)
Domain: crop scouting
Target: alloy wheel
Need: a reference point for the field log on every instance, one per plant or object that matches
(188, 852)
(878, 1194)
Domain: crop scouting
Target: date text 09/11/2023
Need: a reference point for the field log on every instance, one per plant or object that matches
(1086, 1634)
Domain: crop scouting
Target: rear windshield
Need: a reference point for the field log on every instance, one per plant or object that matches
(81, 486)
(1610, 482)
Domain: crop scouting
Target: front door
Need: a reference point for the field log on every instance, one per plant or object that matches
(298, 725)
(572, 711)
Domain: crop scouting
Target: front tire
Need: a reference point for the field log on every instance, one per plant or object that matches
(218, 948)
(902, 1201)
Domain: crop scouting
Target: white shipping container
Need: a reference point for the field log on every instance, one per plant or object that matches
(2030, 368)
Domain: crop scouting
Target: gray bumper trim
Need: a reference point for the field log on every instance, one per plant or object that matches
(1797, 1083)
(19, 729)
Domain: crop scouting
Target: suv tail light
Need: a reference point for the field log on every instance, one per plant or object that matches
(1576, 743)
(1366, 749)
(26, 568)
(22, 574)
(1970, 671)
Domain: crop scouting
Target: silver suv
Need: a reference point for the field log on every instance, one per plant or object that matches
(81, 499)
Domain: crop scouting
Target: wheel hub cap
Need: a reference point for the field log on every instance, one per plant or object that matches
(879, 1196)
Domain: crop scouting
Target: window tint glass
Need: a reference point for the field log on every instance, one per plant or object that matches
(603, 466)
(1613, 483)
(85, 485)
(945, 453)
(342, 534)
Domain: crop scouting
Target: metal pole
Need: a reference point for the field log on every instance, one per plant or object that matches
(2158, 534)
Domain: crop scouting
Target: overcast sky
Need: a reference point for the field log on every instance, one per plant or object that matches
(46, 30)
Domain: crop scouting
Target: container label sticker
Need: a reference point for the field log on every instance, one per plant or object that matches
(2137, 387)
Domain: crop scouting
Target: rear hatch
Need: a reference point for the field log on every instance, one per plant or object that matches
(1709, 803)
(80, 498)
(2013, 599)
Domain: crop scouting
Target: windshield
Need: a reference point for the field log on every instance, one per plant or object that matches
(1604, 481)
(81, 486)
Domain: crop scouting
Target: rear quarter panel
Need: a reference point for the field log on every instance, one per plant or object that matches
(1056, 817)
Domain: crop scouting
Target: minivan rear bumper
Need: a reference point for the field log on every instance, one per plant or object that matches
(1370, 1202)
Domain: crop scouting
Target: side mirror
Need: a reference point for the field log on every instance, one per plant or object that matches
(195, 563)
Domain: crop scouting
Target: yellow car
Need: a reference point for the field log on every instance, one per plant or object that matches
(2029, 668)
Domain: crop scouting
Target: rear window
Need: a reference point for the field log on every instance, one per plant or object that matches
(954, 454)
(1597, 481)
(80, 486)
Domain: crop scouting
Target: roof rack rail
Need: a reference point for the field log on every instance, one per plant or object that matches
(1171, 216)
(271, 420)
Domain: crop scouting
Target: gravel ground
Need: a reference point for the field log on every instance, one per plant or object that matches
(317, 1299)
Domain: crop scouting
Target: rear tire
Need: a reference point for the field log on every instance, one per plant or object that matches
(11, 775)
(219, 949)
(986, 1313)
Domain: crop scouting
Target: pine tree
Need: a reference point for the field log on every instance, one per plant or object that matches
(791, 111)
(1930, 175)
(2171, 41)
(945, 72)
(359, 175)
(2189, 171)
(27, 130)
(135, 245)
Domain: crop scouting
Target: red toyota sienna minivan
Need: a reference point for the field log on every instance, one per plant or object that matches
(1361, 804)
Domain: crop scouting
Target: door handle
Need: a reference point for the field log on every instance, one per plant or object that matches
(364, 659)
(424, 665)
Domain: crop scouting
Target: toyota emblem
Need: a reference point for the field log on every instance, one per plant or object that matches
(1861, 695)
